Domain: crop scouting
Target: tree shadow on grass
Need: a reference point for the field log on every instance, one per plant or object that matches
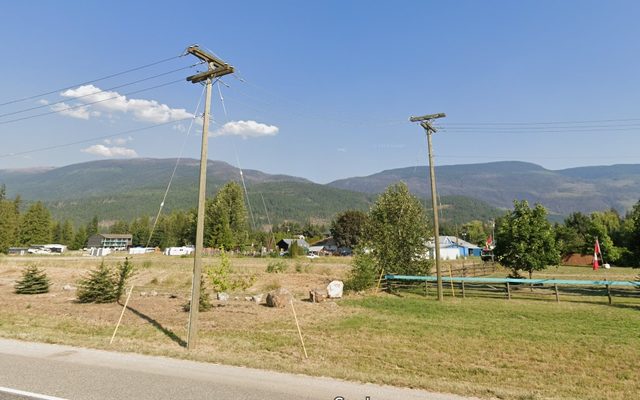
(168, 332)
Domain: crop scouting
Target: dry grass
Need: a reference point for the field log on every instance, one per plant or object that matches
(493, 348)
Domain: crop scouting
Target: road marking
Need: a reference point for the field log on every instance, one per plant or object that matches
(29, 394)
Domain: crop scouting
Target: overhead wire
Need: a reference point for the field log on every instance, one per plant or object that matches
(91, 81)
(100, 91)
(175, 168)
(89, 104)
(92, 139)
(246, 193)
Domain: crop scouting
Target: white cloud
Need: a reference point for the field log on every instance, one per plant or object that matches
(43, 102)
(114, 151)
(76, 112)
(141, 109)
(246, 129)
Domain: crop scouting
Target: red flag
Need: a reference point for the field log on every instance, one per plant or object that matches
(489, 241)
(596, 251)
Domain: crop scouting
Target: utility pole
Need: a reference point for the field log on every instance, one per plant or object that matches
(216, 68)
(425, 122)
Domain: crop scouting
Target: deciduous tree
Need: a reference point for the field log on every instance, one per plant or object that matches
(525, 239)
(397, 232)
(348, 228)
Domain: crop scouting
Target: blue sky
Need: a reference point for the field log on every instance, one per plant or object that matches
(326, 87)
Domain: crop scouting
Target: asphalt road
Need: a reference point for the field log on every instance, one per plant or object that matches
(76, 373)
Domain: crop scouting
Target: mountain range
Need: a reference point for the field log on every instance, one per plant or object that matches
(125, 189)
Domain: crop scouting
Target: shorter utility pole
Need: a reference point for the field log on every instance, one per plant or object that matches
(425, 122)
(216, 68)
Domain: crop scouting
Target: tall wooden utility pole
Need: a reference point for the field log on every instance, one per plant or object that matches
(425, 122)
(216, 68)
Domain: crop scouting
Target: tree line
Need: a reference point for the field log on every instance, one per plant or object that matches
(226, 226)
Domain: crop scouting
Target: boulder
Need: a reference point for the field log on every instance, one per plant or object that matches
(222, 296)
(334, 289)
(279, 298)
(317, 295)
(257, 298)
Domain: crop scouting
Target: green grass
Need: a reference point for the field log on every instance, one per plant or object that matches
(529, 347)
(505, 349)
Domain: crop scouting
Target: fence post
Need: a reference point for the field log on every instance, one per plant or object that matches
(555, 287)
(463, 293)
(609, 293)
(464, 270)
(508, 291)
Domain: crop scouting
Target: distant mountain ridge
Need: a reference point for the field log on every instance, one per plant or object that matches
(123, 189)
(564, 191)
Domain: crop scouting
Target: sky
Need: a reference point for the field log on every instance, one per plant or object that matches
(322, 90)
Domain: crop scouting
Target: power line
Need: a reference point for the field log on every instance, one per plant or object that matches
(175, 168)
(100, 91)
(545, 122)
(91, 81)
(62, 145)
(89, 104)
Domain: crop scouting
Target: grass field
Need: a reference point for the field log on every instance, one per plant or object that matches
(526, 348)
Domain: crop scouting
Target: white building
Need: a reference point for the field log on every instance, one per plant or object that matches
(178, 251)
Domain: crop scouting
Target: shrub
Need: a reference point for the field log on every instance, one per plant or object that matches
(221, 279)
(98, 287)
(276, 267)
(204, 301)
(103, 285)
(34, 281)
(364, 272)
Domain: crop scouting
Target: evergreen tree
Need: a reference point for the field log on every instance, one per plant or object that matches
(67, 233)
(8, 225)
(226, 218)
(98, 287)
(56, 232)
(92, 227)
(35, 226)
(34, 281)
(79, 239)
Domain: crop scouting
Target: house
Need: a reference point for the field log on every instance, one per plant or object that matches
(327, 245)
(284, 244)
(178, 251)
(17, 251)
(56, 248)
(452, 248)
(110, 240)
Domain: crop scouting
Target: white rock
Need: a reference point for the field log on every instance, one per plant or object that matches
(257, 298)
(68, 287)
(222, 296)
(334, 289)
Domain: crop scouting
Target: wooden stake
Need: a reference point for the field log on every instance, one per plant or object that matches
(451, 281)
(299, 331)
(508, 291)
(121, 315)
(379, 280)
(463, 294)
(609, 293)
(555, 287)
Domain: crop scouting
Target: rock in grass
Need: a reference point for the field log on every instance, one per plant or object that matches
(317, 295)
(279, 298)
(334, 289)
(222, 296)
